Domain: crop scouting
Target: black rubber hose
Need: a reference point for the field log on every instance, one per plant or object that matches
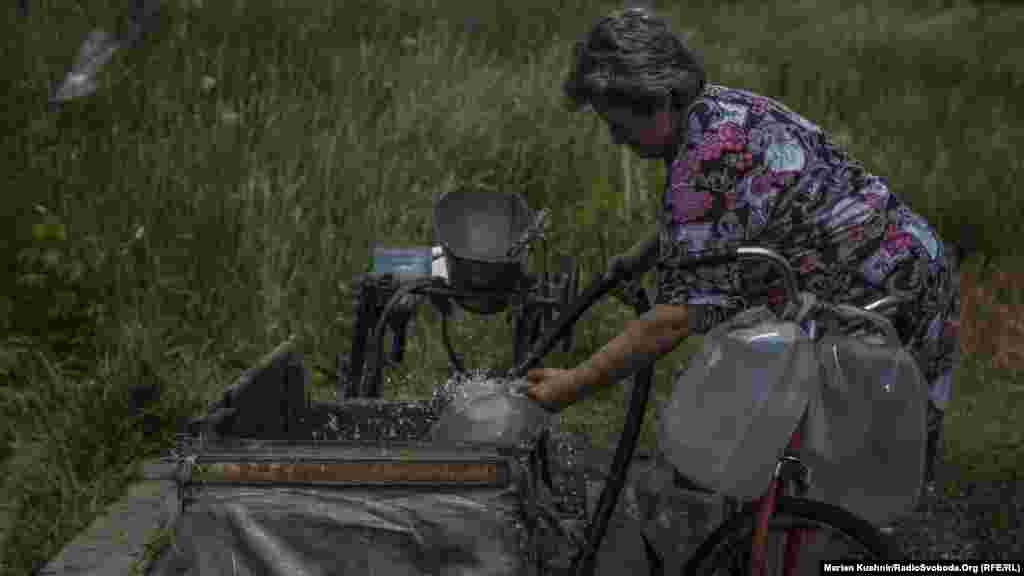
(632, 264)
(586, 561)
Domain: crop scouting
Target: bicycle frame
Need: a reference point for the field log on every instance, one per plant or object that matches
(766, 508)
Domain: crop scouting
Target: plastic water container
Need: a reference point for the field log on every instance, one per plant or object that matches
(866, 429)
(735, 406)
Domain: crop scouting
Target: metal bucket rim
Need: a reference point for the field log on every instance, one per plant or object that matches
(447, 248)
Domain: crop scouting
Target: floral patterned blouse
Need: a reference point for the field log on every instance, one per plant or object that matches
(751, 171)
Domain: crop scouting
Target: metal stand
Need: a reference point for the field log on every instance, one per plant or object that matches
(382, 304)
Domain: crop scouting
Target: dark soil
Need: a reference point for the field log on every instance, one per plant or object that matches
(966, 520)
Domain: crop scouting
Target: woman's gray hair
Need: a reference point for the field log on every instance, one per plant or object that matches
(632, 58)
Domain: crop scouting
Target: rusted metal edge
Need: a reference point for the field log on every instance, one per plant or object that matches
(362, 473)
(241, 449)
(346, 485)
(283, 458)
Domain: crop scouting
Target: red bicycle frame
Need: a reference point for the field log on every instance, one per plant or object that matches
(765, 505)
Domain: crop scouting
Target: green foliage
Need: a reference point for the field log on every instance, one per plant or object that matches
(69, 462)
(218, 194)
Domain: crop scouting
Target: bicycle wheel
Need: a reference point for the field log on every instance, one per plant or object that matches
(830, 534)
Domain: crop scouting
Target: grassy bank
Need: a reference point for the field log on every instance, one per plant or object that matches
(222, 193)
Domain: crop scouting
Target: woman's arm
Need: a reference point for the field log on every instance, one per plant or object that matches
(644, 340)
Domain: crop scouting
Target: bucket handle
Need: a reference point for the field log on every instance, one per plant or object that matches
(534, 231)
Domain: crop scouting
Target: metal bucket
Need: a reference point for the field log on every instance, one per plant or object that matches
(486, 409)
(476, 230)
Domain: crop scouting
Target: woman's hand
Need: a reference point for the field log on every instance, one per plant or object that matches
(552, 388)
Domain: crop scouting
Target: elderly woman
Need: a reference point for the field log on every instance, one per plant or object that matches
(744, 168)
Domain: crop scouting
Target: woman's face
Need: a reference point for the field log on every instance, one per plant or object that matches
(649, 135)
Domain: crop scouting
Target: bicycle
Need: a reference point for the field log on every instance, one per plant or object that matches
(784, 506)
(741, 543)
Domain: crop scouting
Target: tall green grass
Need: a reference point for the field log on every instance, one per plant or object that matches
(221, 191)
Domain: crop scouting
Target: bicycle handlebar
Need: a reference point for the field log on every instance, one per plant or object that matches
(881, 322)
(644, 255)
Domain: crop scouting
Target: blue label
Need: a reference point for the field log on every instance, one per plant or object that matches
(405, 261)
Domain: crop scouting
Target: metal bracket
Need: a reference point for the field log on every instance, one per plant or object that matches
(791, 468)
